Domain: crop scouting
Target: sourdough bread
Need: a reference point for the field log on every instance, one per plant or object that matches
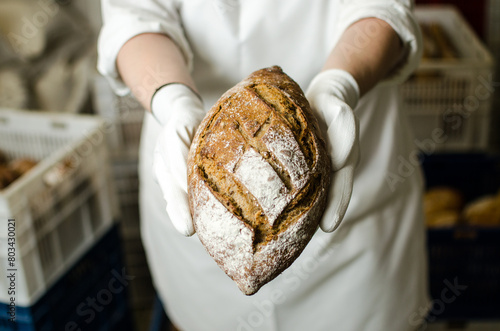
(258, 175)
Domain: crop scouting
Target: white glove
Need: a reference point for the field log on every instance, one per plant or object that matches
(179, 110)
(333, 94)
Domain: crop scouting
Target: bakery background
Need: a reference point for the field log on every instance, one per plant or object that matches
(74, 194)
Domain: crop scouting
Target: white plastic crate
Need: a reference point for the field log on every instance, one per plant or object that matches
(124, 114)
(61, 206)
(452, 98)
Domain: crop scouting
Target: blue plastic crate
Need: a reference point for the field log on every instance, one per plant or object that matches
(88, 297)
(469, 260)
(467, 256)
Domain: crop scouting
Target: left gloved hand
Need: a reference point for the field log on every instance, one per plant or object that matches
(179, 110)
(333, 94)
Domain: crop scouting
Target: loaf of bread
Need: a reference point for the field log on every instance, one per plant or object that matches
(7, 176)
(10, 171)
(3, 158)
(483, 212)
(437, 43)
(22, 165)
(442, 206)
(258, 174)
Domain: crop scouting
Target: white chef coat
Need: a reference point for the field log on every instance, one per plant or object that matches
(370, 274)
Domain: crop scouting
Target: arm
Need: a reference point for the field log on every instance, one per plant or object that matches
(145, 63)
(136, 56)
(148, 61)
(369, 50)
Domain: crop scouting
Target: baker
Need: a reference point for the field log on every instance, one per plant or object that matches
(178, 57)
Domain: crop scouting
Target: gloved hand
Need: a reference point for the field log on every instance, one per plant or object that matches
(179, 110)
(333, 94)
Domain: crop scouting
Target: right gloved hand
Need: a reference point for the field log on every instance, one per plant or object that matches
(333, 94)
(179, 110)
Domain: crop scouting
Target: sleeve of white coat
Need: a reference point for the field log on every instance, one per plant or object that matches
(124, 19)
(399, 15)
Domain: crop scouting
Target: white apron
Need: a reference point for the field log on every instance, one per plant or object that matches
(370, 274)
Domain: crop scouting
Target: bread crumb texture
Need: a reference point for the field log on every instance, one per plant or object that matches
(257, 178)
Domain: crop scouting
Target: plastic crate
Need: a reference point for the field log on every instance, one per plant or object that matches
(126, 180)
(468, 256)
(142, 292)
(125, 173)
(124, 115)
(452, 97)
(61, 206)
(66, 305)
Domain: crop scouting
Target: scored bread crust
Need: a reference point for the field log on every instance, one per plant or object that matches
(258, 177)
